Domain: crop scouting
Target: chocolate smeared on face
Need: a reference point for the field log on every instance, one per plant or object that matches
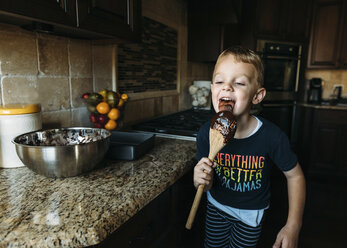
(225, 123)
(226, 105)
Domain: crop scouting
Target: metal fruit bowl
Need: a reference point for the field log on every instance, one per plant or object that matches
(63, 152)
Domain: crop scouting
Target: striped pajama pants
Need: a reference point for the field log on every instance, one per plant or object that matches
(223, 230)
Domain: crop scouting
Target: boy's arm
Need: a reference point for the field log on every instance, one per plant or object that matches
(289, 234)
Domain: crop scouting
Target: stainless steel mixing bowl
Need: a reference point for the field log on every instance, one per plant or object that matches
(64, 152)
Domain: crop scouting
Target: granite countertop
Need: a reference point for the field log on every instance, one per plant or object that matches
(317, 106)
(81, 211)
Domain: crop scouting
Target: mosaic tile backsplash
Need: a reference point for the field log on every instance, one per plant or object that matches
(152, 64)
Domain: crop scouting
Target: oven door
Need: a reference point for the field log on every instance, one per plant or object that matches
(280, 114)
(281, 73)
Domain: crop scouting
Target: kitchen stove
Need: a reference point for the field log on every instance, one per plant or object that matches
(181, 125)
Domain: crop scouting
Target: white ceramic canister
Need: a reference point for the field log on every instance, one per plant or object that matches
(15, 120)
(206, 86)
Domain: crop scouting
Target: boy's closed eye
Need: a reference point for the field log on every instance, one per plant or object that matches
(240, 83)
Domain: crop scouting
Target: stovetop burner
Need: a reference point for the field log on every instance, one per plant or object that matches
(184, 123)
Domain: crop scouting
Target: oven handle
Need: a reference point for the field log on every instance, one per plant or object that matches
(277, 105)
(280, 57)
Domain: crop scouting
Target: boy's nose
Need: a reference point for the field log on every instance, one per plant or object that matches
(228, 87)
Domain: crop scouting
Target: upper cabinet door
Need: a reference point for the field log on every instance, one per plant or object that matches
(52, 11)
(283, 20)
(269, 18)
(119, 18)
(297, 27)
(326, 35)
(343, 58)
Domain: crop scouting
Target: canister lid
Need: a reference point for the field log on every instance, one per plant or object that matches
(18, 109)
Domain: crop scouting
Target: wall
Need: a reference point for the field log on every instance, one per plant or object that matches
(196, 72)
(173, 13)
(56, 71)
(151, 64)
(330, 78)
(53, 71)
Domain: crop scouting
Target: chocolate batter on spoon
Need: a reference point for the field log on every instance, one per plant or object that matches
(222, 130)
(225, 123)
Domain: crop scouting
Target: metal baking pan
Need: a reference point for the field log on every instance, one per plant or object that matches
(129, 146)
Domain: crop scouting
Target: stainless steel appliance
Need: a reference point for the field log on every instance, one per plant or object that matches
(282, 61)
(181, 125)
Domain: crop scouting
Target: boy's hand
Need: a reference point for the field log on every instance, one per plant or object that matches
(287, 237)
(203, 173)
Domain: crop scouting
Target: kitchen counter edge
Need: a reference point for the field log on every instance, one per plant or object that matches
(317, 106)
(83, 210)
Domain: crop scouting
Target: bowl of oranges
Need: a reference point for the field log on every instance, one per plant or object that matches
(105, 107)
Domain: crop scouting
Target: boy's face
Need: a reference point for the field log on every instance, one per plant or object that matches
(234, 83)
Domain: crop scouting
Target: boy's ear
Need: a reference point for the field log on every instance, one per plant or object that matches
(259, 95)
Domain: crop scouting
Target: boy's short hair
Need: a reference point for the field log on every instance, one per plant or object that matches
(246, 55)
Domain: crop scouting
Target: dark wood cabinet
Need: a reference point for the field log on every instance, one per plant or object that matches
(328, 42)
(323, 141)
(298, 21)
(204, 42)
(343, 153)
(118, 18)
(51, 11)
(269, 16)
(147, 228)
(343, 50)
(323, 156)
(89, 19)
(283, 20)
(216, 25)
(212, 27)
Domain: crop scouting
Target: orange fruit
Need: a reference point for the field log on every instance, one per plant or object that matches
(111, 125)
(114, 114)
(124, 97)
(120, 103)
(103, 108)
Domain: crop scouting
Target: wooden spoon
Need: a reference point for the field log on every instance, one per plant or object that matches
(222, 129)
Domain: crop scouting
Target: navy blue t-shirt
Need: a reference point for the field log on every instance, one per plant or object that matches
(242, 175)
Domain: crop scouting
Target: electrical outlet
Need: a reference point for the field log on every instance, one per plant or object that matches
(338, 85)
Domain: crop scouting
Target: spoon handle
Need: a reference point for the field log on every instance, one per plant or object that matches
(195, 206)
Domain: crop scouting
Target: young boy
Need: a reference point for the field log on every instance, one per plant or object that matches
(237, 181)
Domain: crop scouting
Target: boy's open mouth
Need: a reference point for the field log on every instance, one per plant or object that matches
(226, 104)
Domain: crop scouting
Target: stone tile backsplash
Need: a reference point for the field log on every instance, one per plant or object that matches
(151, 64)
(18, 53)
(52, 55)
(19, 89)
(53, 71)
(80, 59)
(329, 78)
